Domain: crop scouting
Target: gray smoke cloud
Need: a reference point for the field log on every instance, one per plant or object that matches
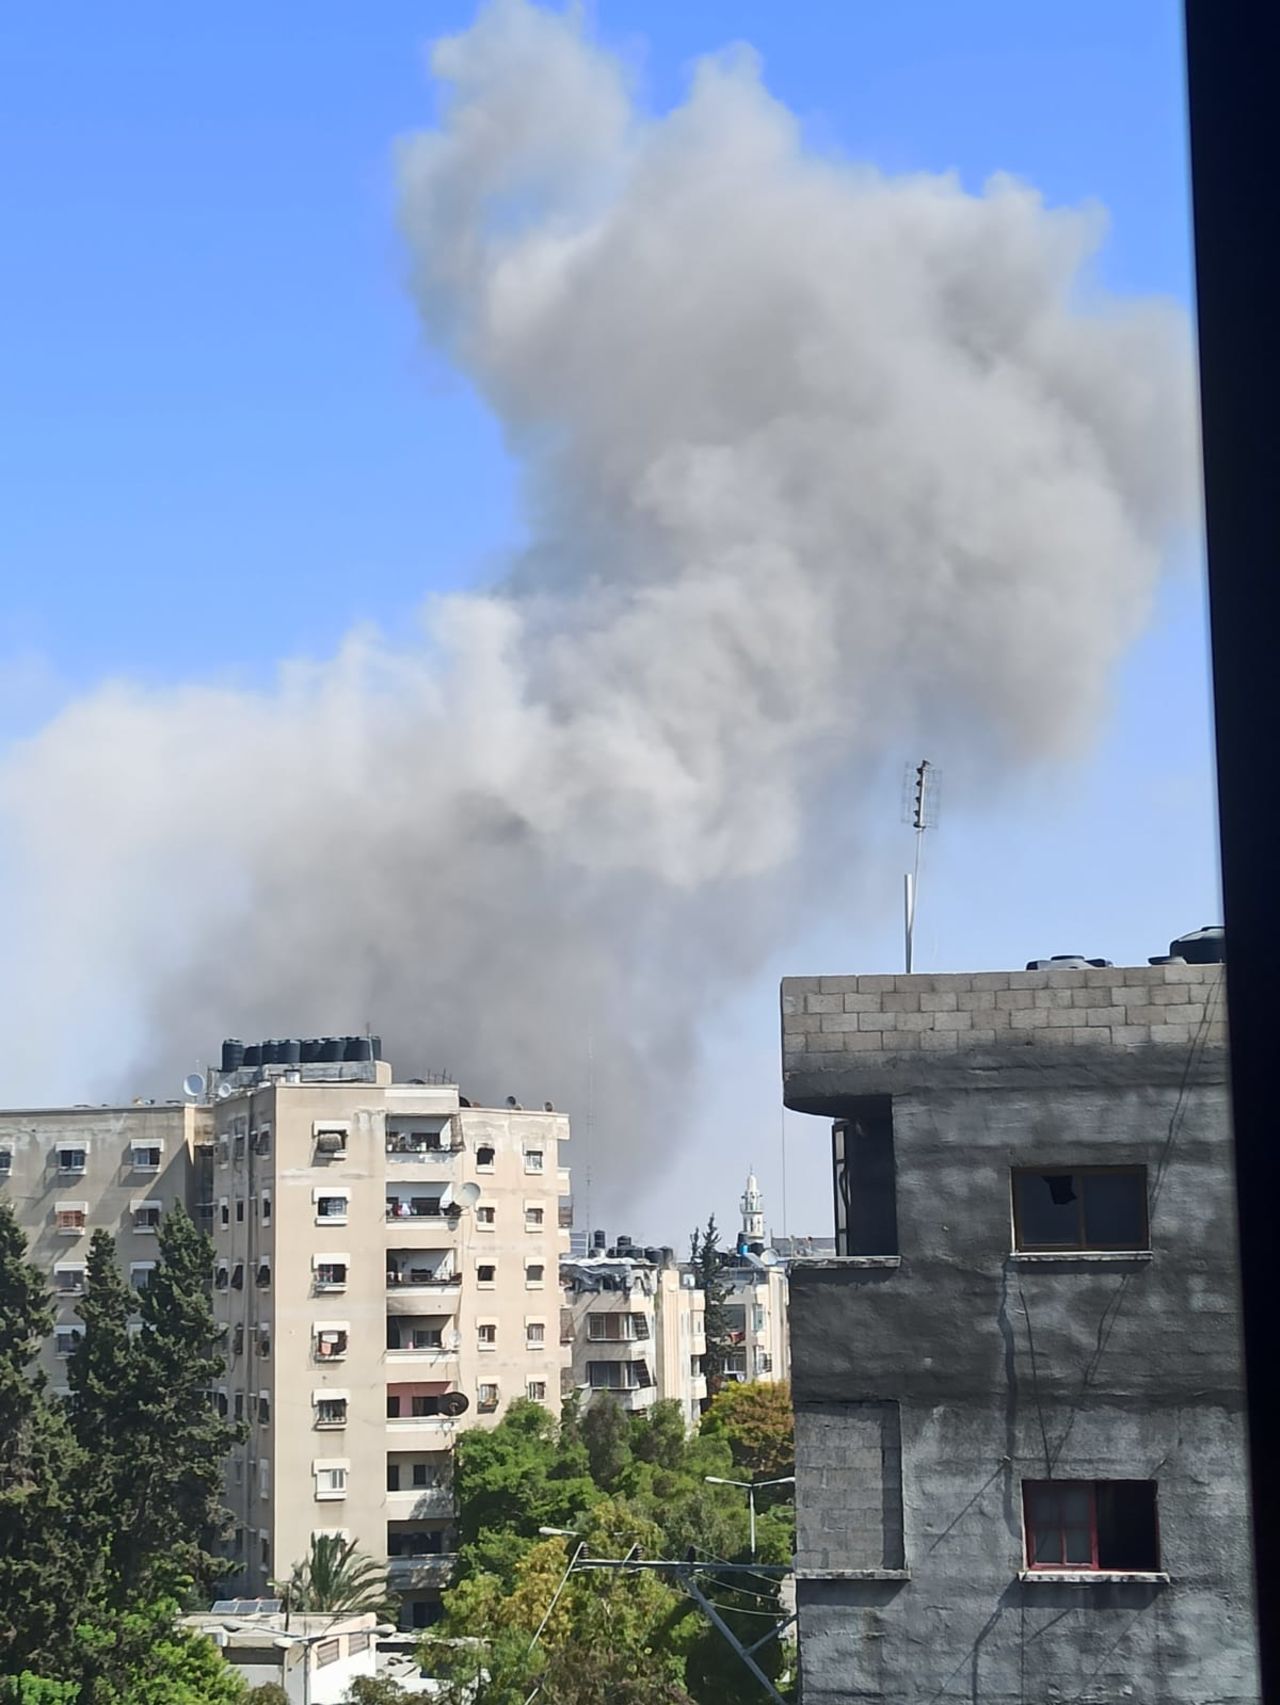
(819, 464)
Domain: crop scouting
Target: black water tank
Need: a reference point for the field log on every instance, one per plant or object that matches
(331, 1049)
(291, 1051)
(624, 1242)
(232, 1054)
(1207, 946)
(310, 1050)
(253, 1054)
(357, 1048)
(598, 1240)
(270, 1052)
(653, 1256)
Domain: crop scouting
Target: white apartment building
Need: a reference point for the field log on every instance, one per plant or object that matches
(633, 1321)
(70, 1171)
(386, 1266)
(756, 1305)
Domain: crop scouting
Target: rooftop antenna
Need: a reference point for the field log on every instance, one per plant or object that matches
(921, 811)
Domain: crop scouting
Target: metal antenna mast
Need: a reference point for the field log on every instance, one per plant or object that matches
(922, 813)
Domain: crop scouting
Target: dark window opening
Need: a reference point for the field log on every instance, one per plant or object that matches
(1092, 1524)
(485, 1155)
(1102, 1208)
(865, 1179)
(393, 1477)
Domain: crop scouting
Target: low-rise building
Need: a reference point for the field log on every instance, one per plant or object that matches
(313, 1657)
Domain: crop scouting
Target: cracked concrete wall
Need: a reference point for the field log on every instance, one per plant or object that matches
(1002, 1368)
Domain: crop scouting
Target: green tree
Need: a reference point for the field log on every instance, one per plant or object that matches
(607, 1438)
(141, 1656)
(335, 1576)
(267, 1693)
(758, 1423)
(377, 1690)
(707, 1260)
(154, 1447)
(45, 1559)
(512, 1479)
(28, 1689)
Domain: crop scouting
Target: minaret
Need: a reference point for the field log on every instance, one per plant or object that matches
(753, 1211)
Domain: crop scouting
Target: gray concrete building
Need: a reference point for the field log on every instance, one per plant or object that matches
(1019, 1409)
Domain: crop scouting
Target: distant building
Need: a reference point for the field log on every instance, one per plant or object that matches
(633, 1323)
(757, 1301)
(71, 1171)
(1020, 1452)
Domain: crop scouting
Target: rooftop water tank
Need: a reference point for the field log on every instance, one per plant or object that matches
(357, 1048)
(1207, 946)
(310, 1050)
(253, 1054)
(290, 1051)
(232, 1054)
(331, 1049)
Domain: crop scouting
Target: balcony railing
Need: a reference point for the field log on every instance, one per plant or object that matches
(420, 1279)
(420, 1503)
(406, 1573)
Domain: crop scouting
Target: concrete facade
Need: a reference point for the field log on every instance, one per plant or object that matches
(944, 1367)
(71, 1171)
(634, 1328)
(367, 1321)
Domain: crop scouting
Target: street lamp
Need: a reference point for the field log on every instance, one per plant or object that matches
(750, 1487)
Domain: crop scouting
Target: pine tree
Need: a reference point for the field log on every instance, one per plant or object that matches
(141, 1409)
(707, 1260)
(43, 1560)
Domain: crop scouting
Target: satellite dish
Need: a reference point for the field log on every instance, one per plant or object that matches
(224, 1090)
(193, 1086)
(454, 1403)
(467, 1195)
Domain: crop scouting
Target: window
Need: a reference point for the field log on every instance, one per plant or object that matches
(425, 1476)
(1102, 1207)
(239, 1406)
(221, 1151)
(535, 1334)
(486, 1155)
(487, 1397)
(240, 1210)
(146, 1216)
(486, 1273)
(327, 1651)
(764, 1362)
(264, 1479)
(606, 1328)
(221, 1276)
(487, 1335)
(65, 1339)
(532, 1219)
(224, 1211)
(261, 1140)
(140, 1274)
(533, 1159)
(536, 1390)
(331, 1343)
(486, 1216)
(331, 1141)
(262, 1278)
(331, 1480)
(237, 1338)
(533, 1274)
(266, 1207)
(70, 1217)
(6, 1162)
(331, 1273)
(420, 1406)
(68, 1280)
(71, 1160)
(331, 1411)
(264, 1340)
(145, 1157)
(264, 1551)
(220, 1402)
(393, 1477)
(1092, 1524)
(618, 1376)
(264, 1407)
(237, 1276)
(331, 1208)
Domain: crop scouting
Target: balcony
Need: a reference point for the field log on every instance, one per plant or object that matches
(409, 1574)
(421, 1503)
(427, 1272)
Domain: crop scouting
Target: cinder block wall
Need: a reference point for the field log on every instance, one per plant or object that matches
(830, 1024)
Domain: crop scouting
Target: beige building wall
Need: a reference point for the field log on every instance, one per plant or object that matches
(71, 1171)
(757, 1304)
(636, 1332)
(360, 1315)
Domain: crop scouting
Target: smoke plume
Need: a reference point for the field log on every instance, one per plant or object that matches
(818, 464)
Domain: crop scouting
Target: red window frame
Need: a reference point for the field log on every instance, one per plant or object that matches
(1058, 1489)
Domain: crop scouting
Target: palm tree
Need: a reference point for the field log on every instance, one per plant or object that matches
(335, 1577)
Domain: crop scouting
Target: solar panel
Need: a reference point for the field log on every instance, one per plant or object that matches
(247, 1606)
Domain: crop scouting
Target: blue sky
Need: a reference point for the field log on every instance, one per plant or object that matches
(222, 442)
